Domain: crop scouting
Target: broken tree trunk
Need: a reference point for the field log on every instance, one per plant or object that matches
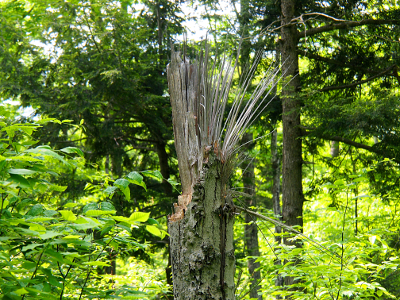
(201, 229)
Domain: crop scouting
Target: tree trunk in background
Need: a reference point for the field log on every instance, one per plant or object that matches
(203, 261)
(292, 191)
(276, 174)
(251, 230)
(164, 167)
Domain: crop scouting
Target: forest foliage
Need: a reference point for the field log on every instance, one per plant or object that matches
(88, 179)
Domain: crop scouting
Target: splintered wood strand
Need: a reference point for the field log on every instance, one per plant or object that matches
(199, 94)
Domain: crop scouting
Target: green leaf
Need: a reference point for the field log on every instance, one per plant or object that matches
(21, 181)
(339, 182)
(96, 213)
(49, 235)
(21, 171)
(30, 247)
(106, 206)
(154, 230)
(121, 183)
(72, 237)
(135, 178)
(139, 216)
(53, 281)
(67, 215)
(58, 256)
(86, 223)
(153, 174)
(90, 206)
(70, 204)
(110, 190)
(372, 239)
(37, 209)
(120, 219)
(173, 182)
(21, 291)
(72, 150)
(47, 151)
(152, 221)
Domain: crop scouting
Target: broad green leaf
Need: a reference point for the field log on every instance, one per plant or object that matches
(37, 209)
(4, 204)
(53, 281)
(154, 230)
(127, 193)
(58, 188)
(96, 213)
(71, 237)
(21, 171)
(67, 215)
(121, 183)
(37, 227)
(152, 221)
(20, 180)
(90, 206)
(70, 204)
(30, 247)
(153, 174)
(58, 256)
(139, 216)
(120, 219)
(339, 182)
(110, 190)
(73, 150)
(106, 206)
(173, 182)
(49, 235)
(135, 176)
(21, 291)
(46, 150)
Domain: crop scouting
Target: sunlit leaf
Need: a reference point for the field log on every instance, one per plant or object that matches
(139, 216)
(67, 215)
(153, 230)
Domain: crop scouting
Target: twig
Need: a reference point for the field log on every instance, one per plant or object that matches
(288, 228)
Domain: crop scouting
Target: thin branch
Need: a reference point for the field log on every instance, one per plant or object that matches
(342, 25)
(345, 86)
(288, 228)
(354, 144)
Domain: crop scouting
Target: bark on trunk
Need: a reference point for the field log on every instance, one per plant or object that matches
(251, 230)
(203, 261)
(292, 191)
(164, 167)
(276, 199)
